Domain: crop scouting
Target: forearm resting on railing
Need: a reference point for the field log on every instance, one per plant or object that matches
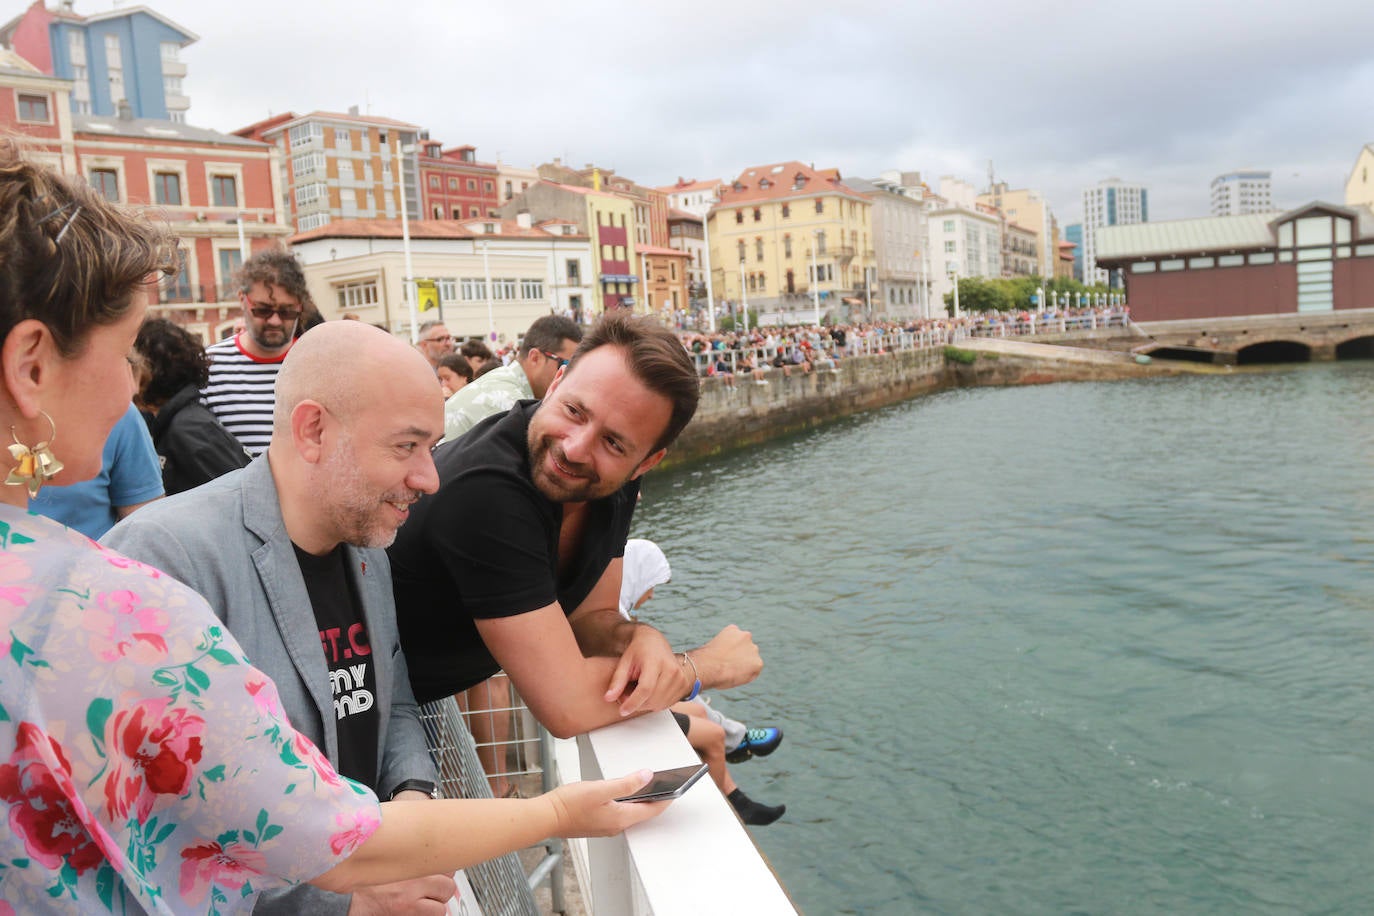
(418, 838)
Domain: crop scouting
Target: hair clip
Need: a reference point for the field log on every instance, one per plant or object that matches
(65, 226)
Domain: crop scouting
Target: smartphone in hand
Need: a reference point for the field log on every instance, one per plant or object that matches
(667, 784)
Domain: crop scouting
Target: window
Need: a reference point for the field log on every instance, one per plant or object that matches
(167, 189)
(508, 191)
(758, 249)
(448, 289)
(223, 191)
(758, 214)
(33, 108)
(306, 133)
(434, 182)
(309, 193)
(488, 186)
(787, 246)
(457, 212)
(343, 138)
(820, 242)
(230, 259)
(358, 294)
(171, 85)
(170, 51)
(473, 289)
(672, 270)
(503, 288)
(313, 221)
(949, 225)
(951, 247)
(574, 272)
(307, 164)
(820, 205)
(531, 289)
(106, 183)
(474, 211)
(739, 216)
(741, 249)
(453, 184)
(786, 211)
(472, 184)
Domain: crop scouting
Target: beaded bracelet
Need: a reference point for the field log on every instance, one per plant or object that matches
(696, 678)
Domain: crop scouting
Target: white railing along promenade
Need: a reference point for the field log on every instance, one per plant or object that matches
(695, 858)
(887, 341)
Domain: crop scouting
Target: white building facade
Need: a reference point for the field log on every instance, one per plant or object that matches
(493, 277)
(1112, 202)
(1242, 193)
(900, 242)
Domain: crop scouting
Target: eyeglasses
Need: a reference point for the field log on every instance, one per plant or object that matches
(447, 338)
(556, 358)
(265, 310)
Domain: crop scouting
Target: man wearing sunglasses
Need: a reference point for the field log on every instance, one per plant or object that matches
(243, 368)
(546, 347)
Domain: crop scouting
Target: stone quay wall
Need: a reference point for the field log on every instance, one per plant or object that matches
(747, 412)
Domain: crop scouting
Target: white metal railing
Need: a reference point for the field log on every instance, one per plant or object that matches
(657, 867)
(888, 341)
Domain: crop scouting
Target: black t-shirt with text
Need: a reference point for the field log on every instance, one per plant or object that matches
(348, 654)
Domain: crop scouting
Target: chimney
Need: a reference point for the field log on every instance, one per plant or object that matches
(126, 111)
(522, 219)
(353, 110)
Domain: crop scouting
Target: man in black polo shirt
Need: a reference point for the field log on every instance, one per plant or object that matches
(515, 562)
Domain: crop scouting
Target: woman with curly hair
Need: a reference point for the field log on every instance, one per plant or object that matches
(195, 448)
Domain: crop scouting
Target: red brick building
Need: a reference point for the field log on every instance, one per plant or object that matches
(208, 186)
(454, 185)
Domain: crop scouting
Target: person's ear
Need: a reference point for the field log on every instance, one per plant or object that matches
(309, 420)
(28, 353)
(648, 464)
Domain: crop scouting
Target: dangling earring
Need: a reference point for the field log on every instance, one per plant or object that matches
(37, 465)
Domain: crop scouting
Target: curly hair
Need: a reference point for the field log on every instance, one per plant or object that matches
(275, 267)
(68, 257)
(175, 359)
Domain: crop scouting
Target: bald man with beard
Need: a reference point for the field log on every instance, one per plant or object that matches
(289, 554)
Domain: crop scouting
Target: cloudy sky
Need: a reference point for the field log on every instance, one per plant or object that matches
(1057, 94)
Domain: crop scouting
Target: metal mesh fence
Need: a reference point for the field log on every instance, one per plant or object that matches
(500, 884)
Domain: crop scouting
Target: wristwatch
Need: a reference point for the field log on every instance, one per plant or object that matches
(418, 785)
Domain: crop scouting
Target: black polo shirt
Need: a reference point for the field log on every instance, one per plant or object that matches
(486, 545)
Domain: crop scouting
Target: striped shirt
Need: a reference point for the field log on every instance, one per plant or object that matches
(241, 393)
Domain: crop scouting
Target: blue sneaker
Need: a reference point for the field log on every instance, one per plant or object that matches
(758, 742)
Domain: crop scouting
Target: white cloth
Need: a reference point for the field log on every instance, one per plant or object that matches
(645, 567)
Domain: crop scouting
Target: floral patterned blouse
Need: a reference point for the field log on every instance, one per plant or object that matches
(144, 764)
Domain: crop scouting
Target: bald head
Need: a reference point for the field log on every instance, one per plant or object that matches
(346, 366)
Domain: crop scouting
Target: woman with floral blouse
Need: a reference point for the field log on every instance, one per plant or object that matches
(145, 765)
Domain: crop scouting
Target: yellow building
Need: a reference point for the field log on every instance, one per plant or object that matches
(1028, 210)
(1359, 187)
(778, 226)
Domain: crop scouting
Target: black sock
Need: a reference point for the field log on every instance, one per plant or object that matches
(753, 813)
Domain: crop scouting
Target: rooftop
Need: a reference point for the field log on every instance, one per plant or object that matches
(781, 181)
(430, 229)
(146, 128)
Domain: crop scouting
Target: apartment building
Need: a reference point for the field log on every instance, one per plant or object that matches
(1028, 211)
(343, 166)
(218, 192)
(899, 233)
(1241, 193)
(692, 196)
(126, 55)
(454, 184)
(1111, 202)
(785, 231)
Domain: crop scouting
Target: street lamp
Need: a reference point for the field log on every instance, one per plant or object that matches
(402, 152)
(744, 297)
(954, 275)
(815, 279)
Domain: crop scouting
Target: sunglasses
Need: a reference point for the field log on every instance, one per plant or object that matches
(556, 358)
(264, 311)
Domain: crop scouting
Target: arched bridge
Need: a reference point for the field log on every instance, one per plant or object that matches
(1301, 337)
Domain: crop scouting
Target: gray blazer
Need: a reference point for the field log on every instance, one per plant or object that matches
(227, 541)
